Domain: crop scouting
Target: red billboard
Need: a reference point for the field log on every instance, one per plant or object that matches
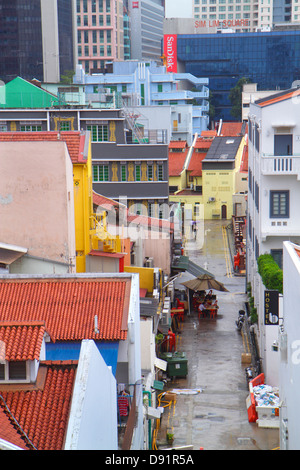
(170, 52)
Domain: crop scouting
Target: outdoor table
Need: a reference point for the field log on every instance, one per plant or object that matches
(179, 312)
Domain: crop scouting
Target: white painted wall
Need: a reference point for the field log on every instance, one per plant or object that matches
(290, 358)
(93, 415)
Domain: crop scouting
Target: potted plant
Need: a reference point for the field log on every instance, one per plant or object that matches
(170, 437)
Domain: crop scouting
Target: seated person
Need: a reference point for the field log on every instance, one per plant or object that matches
(209, 296)
(202, 309)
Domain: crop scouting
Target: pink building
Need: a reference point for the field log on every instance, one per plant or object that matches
(100, 33)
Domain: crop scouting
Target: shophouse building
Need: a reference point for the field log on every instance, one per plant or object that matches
(38, 39)
(288, 350)
(273, 197)
(139, 85)
(124, 165)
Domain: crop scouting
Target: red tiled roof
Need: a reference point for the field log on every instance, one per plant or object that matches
(68, 306)
(202, 144)
(21, 341)
(210, 134)
(231, 129)
(73, 139)
(42, 412)
(176, 162)
(276, 98)
(100, 200)
(195, 166)
(244, 162)
(177, 144)
(8, 432)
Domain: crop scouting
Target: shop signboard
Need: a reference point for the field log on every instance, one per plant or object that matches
(271, 307)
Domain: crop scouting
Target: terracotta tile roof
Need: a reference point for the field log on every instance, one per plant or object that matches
(8, 432)
(68, 306)
(176, 161)
(21, 341)
(276, 98)
(100, 200)
(202, 143)
(209, 134)
(231, 129)
(42, 414)
(195, 166)
(244, 162)
(73, 139)
(178, 144)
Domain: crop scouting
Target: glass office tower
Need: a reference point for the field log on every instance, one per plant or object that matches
(20, 39)
(36, 39)
(271, 59)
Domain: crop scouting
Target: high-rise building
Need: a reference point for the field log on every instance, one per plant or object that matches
(147, 19)
(100, 33)
(37, 39)
(251, 14)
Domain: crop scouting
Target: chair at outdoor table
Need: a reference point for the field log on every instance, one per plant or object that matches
(202, 310)
(179, 312)
(212, 312)
(179, 304)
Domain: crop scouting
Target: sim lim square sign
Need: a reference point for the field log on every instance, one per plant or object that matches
(271, 307)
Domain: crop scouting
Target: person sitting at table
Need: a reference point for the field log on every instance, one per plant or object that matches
(202, 309)
(209, 296)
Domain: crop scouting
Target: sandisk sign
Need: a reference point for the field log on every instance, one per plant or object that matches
(170, 52)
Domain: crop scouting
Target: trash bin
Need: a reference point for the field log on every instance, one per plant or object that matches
(177, 364)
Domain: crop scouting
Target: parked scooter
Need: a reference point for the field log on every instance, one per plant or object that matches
(240, 321)
(249, 374)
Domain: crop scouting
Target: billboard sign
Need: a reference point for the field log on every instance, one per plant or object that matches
(170, 52)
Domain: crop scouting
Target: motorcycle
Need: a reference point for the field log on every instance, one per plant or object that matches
(240, 321)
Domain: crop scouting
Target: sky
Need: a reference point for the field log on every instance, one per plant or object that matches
(179, 9)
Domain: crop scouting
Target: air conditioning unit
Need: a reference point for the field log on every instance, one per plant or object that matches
(149, 263)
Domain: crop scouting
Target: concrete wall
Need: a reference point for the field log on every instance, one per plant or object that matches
(93, 415)
(289, 349)
(36, 199)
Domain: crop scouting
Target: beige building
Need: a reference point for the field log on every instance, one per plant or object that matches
(36, 208)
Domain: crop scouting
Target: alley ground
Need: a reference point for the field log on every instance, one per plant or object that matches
(211, 411)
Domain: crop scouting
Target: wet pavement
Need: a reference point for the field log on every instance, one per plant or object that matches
(210, 409)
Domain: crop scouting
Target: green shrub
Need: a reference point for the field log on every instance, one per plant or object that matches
(253, 315)
(270, 272)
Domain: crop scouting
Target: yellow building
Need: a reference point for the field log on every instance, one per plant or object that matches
(203, 178)
(90, 228)
(219, 168)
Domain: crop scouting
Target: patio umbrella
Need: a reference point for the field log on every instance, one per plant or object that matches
(204, 282)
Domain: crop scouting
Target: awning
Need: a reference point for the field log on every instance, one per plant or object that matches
(10, 253)
(183, 263)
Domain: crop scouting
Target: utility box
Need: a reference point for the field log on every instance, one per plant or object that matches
(177, 364)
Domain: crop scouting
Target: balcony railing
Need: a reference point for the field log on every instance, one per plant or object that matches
(281, 165)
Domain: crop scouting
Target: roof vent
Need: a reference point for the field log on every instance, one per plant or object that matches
(96, 324)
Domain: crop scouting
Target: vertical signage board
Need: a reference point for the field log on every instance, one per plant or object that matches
(170, 52)
(271, 307)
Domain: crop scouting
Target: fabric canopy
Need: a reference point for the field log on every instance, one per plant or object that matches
(204, 282)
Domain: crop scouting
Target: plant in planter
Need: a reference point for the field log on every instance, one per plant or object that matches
(170, 437)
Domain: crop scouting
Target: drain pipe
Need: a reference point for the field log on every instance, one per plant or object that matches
(146, 392)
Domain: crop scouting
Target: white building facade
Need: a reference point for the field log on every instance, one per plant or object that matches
(273, 200)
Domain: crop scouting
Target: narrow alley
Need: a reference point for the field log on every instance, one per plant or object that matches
(209, 411)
